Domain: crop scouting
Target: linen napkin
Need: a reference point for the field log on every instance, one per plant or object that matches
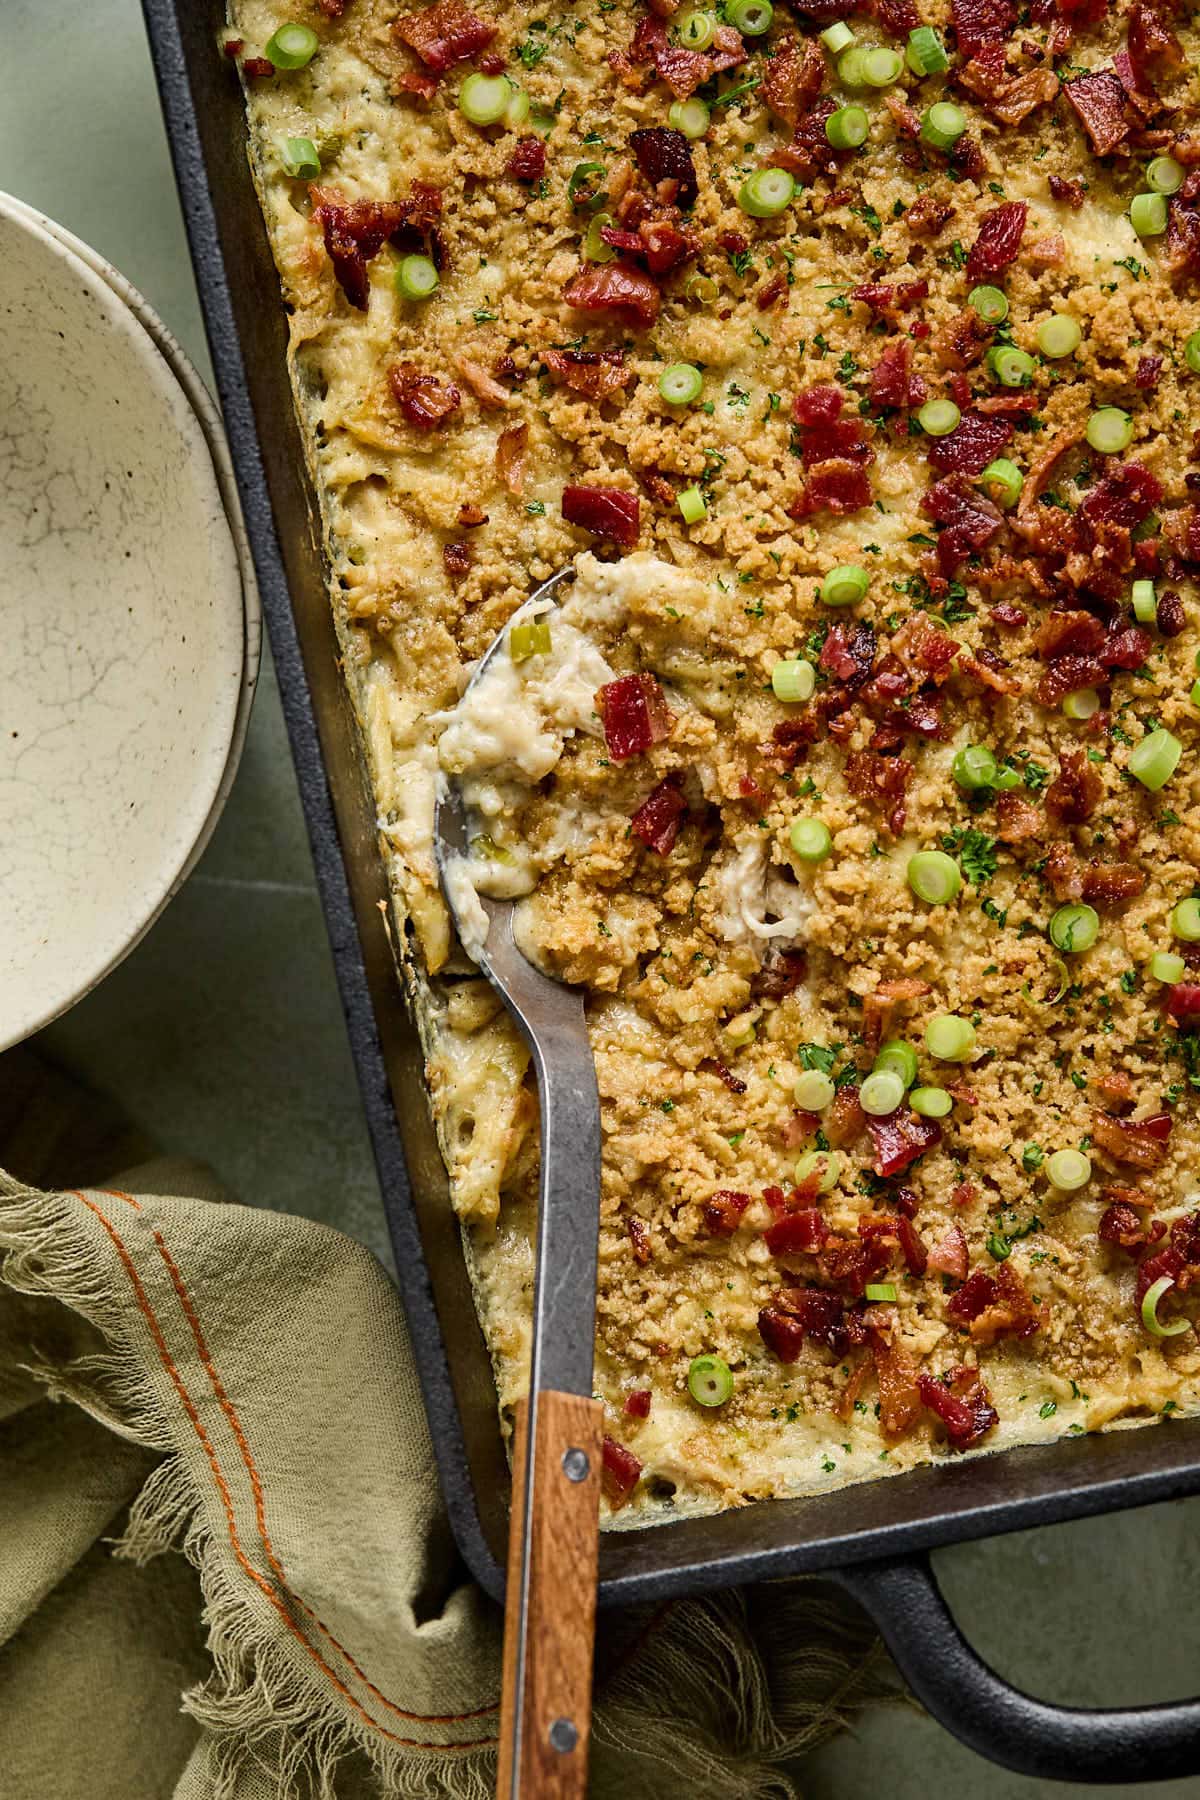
(179, 1373)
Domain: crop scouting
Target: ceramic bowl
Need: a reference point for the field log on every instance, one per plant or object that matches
(129, 640)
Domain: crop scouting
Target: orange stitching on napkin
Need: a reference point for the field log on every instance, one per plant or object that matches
(197, 1424)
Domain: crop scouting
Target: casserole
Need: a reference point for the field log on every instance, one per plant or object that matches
(856, 1525)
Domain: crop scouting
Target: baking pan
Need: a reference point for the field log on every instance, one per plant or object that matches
(875, 1538)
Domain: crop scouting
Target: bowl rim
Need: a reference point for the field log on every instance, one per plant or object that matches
(144, 323)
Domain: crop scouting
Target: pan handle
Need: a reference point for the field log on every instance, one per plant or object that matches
(1008, 1726)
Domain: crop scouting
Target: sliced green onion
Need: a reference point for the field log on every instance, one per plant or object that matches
(416, 277)
(1059, 335)
(517, 110)
(990, 303)
(1150, 1318)
(793, 679)
(1185, 921)
(814, 1090)
(1009, 366)
(926, 53)
(931, 1102)
(751, 17)
(300, 158)
(881, 66)
(837, 38)
(950, 1038)
(696, 30)
(1002, 481)
(1068, 1170)
(826, 1164)
(1148, 214)
(692, 117)
(1155, 759)
(484, 100)
(847, 128)
(582, 189)
(934, 877)
(595, 250)
(1165, 175)
(1145, 603)
(1191, 353)
(899, 1057)
(1194, 693)
(692, 505)
(943, 124)
(845, 585)
(1109, 430)
(767, 193)
(850, 67)
(701, 288)
(974, 767)
(710, 1380)
(292, 47)
(530, 639)
(810, 840)
(488, 847)
(881, 1093)
(1081, 704)
(1166, 967)
(1006, 779)
(937, 418)
(880, 1290)
(1074, 928)
(680, 384)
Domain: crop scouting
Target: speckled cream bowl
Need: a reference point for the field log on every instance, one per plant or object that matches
(124, 641)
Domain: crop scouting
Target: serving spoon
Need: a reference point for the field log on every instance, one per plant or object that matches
(553, 1542)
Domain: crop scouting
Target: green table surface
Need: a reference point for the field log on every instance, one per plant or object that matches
(222, 1033)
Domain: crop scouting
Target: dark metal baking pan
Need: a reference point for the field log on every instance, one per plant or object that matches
(874, 1538)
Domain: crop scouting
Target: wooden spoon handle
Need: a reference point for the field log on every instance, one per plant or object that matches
(550, 1610)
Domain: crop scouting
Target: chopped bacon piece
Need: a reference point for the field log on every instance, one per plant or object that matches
(637, 1403)
(1126, 646)
(980, 22)
(528, 160)
(912, 1245)
(723, 1212)
(233, 47)
(899, 1139)
(713, 1066)
(998, 240)
(1099, 100)
(1074, 794)
(994, 1306)
(1169, 615)
(1151, 40)
(1013, 97)
(634, 713)
(896, 1372)
(966, 156)
(664, 154)
(444, 34)
(883, 780)
(257, 68)
(889, 297)
(1009, 615)
(961, 342)
(1183, 227)
(923, 648)
(510, 456)
(487, 390)
(771, 292)
(412, 81)
(1112, 883)
(837, 486)
(1121, 1224)
(968, 519)
(845, 1120)
(1183, 1002)
(793, 78)
(456, 560)
(1148, 373)
(657, 820)
(897, 16)
(639, 1237)
(971, 446)
(892, 374)
(781, 974)
(620, 1472)
(1017, 820)
(927, 214)
(1070, 193)
(818, 405)
(608, 512)
(1069, 634)
(354, 233)
(1069, 675)
(1126, 495)
(617, 288)
(879, 1007)
(967, 1412)
(781, 1333)
(594, 373)
(797, 1233)
(424, 401)
(820, 1314)
(949, 1254)
(1142, 1143)
(849, 655)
